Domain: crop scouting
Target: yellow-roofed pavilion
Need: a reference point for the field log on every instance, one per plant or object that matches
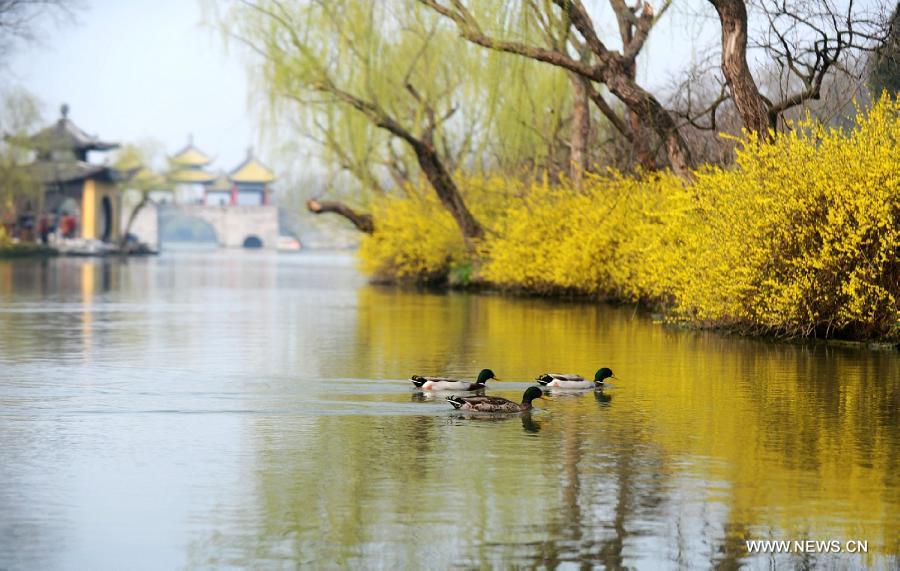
(251, 181)
(187, 171)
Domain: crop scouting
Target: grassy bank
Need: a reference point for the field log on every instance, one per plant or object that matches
(801, 237)
(28, 250)
(10, 249)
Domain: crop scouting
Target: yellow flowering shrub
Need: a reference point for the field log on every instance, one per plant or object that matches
(416, 239)
(800, 237)
(803, 235)
(605, 240)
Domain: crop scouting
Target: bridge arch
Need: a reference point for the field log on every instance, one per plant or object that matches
(252, 241)
(232, 225)
(178, 227)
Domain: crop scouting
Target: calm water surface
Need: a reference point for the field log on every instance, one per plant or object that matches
(248, 409)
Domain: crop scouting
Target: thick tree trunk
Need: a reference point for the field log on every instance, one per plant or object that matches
(611, 68)
(363, 222)
(579, 158)
(643, 150)
(744, 92)
(443, 185)
(426, 156)
(651, 112)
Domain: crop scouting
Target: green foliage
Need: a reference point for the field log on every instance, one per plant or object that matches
(492, 109)
(137, 162)
(19, 116)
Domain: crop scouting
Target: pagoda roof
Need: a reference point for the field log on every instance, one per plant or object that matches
(190, 156)
(49, 172)
(191, 175)
(221, 184)
(66, 135)
(252, 170)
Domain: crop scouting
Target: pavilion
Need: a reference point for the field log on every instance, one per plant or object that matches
(188, 174)
(80, 193)
(246, 185)
(251, 181)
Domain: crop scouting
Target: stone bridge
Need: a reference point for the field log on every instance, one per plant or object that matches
(235, 226)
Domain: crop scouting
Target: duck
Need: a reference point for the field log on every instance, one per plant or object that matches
(497, 404)
(447, 384)
(570, 381)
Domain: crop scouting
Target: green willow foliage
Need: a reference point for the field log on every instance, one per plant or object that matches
(19, 116)
(495, 111)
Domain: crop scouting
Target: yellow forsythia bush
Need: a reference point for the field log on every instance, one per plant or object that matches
(610, 239)
(800, 237)
(417, 240)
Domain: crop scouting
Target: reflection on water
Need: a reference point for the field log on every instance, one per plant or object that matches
(249, 409)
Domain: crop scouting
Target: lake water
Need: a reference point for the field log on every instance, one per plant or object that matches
(250, 409)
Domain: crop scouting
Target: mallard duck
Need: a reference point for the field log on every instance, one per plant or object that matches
(446, 384)
(496, 404)
(569, 381)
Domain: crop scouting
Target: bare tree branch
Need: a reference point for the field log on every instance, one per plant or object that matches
(363, 222)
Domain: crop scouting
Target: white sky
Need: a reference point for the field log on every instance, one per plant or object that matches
(138, 69)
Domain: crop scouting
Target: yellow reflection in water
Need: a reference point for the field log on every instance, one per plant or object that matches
(87, 270)
(800, 441)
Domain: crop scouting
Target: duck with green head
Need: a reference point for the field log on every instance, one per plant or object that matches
(571, 381)
(448, 384)
(497, 404)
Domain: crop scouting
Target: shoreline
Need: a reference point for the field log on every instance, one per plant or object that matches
(655, 312)
(38, 251)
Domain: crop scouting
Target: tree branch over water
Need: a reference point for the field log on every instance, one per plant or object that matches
(362, 222)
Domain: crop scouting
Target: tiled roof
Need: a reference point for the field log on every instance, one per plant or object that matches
(48, 172)
(251, 170)
(221, 184)
(191, 175)
(190, 156)
(66, 135)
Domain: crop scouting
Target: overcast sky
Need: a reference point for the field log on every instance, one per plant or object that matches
(137, 69)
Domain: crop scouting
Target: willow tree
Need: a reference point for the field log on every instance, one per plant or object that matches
(380, 60)
(19, 116)
(607, 66)
(135, 163)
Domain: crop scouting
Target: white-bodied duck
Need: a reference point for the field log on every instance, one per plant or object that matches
(570, 381)
(448, 384)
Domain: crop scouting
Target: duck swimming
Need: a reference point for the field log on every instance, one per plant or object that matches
(446, 384)
(569, 381)
(496, 404)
